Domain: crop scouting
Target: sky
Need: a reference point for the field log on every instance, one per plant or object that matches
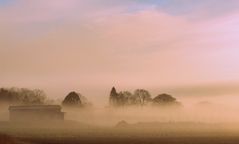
(184, 47)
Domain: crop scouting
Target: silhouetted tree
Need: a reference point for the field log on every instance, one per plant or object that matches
(126, 96)
(22, 96)
(123, 98)
(72, 99)
(113, 97)
(142, 96)
(25, 100)
(165, 99)
(33, 96)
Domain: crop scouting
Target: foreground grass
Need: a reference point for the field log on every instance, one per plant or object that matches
(74, 133)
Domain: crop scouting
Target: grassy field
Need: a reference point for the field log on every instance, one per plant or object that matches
(139, 133)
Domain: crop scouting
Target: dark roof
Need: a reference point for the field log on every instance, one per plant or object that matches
(34, 107)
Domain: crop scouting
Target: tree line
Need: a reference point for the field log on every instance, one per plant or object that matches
(140, 97)
(22, 96)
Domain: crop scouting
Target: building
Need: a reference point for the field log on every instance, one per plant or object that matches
(35, 113)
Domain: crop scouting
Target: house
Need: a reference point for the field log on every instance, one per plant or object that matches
(35, 113)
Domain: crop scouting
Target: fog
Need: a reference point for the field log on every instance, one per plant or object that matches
(215, 109)
(207, 117)
(196, 111)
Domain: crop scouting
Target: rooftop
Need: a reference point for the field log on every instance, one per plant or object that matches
(34, 107)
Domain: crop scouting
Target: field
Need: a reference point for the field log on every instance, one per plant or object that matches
(139, 133)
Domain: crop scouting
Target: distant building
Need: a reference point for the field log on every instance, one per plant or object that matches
(35, 113)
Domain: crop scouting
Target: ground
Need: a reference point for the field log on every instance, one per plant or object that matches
(140, 133)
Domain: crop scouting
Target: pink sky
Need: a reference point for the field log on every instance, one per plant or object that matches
(84, 46)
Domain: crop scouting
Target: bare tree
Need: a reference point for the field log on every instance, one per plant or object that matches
(127, 97)
(22, 96)
(123, 98)
(142, 96)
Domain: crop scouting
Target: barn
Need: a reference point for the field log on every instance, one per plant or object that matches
(35, 113)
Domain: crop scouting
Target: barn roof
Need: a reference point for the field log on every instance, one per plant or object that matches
(35, 107)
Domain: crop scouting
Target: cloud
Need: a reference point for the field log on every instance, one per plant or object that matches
(85, 44)
(203, 9)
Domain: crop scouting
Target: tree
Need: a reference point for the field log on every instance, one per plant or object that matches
(113, 97)
(32, 96)
(127, 96)
(22, 96)
(26, 100)
(165, 99)
(40, 95)
(123, 98)
(142, 96)
(72, 99)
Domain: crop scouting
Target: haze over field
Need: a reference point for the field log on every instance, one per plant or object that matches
(119, 71)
